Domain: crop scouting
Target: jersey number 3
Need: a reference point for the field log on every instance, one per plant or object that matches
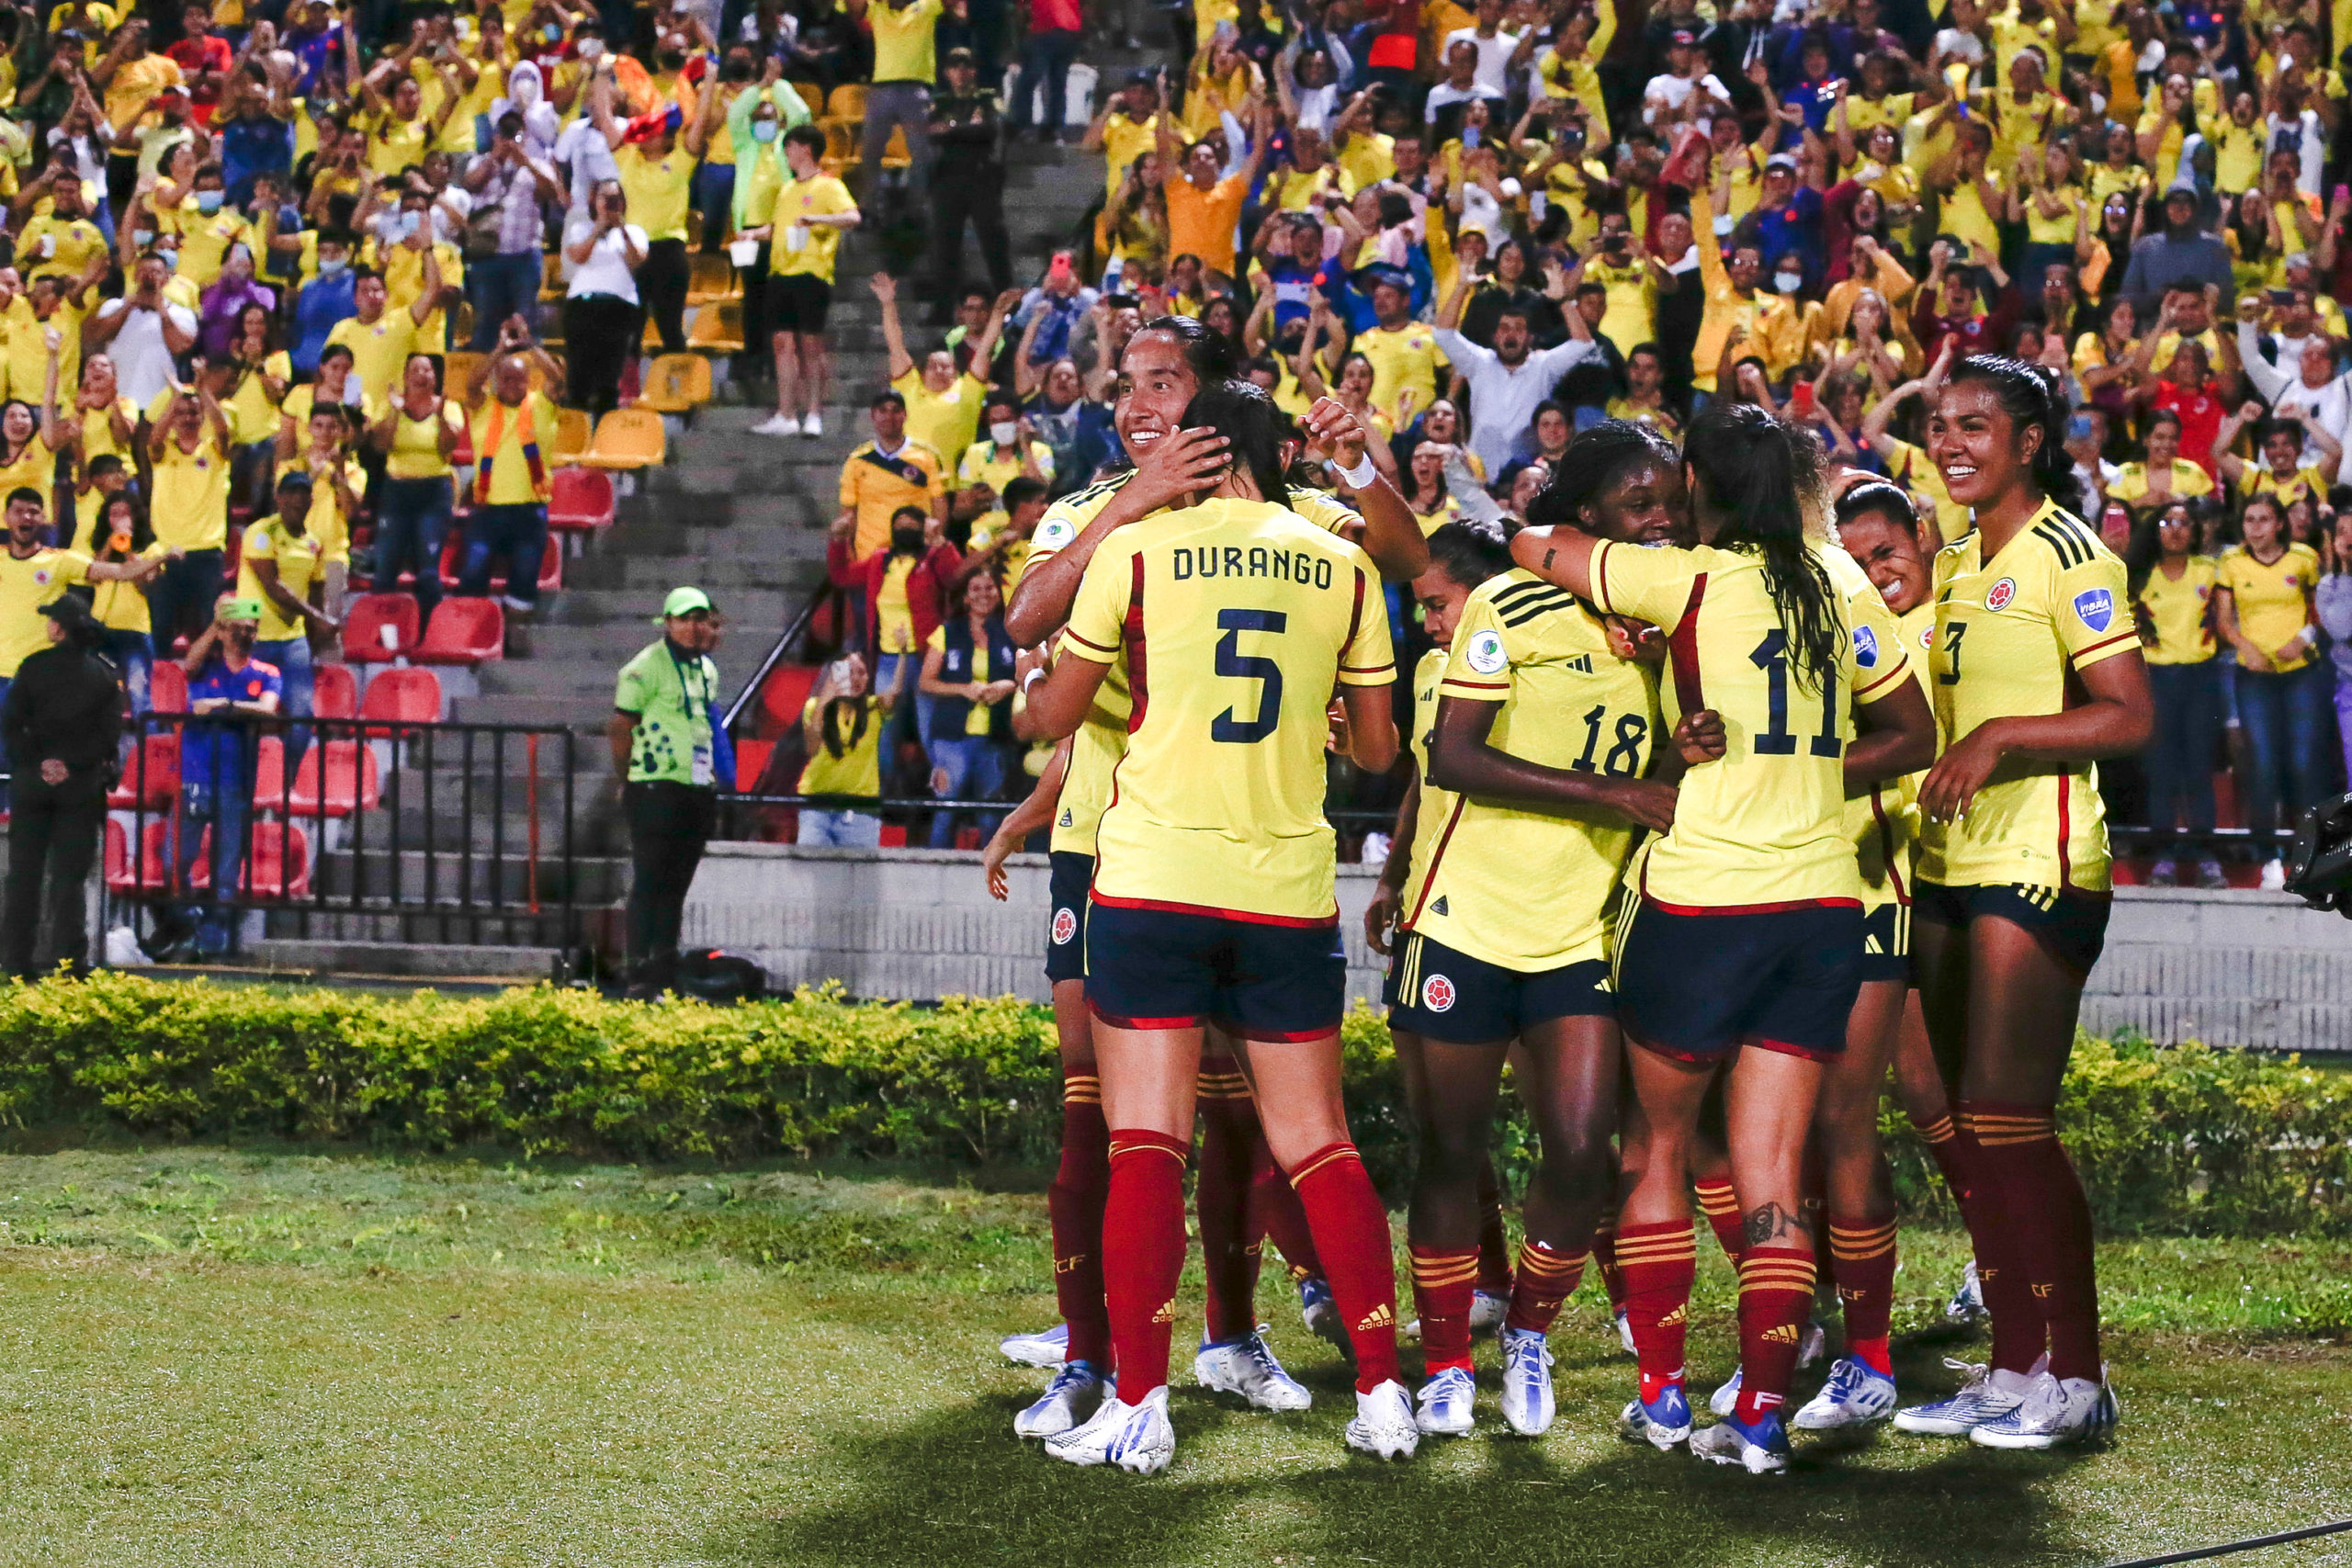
(1772, 656)
(1232, 660)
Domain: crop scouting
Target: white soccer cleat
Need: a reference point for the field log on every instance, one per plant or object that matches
(1487, 1311)
(1076, 1386)
(1813, 1345)
(1044, 1348)
(1321, 1313)
(813, 426)
(1445, 1404)
(1248, 1368)
(2055, 1412)
(1967, 1304)
(1760, 1450)
(1132, 1437)
(1383, 1425)
(777, 424)
(1726, 1395)
(1987, 1395)
(1856, 1395)
(1528, 1402)
(1661, 1422)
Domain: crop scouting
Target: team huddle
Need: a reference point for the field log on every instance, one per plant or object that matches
(1729, 790)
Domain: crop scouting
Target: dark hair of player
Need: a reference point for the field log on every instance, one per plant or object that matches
(1209, 353)
(1254, 430)
(1877, 495)
(1470, 553)
(1756, 472)
(1594, 459)
(2030, 396)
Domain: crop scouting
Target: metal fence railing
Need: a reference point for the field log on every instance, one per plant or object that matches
(425, 829)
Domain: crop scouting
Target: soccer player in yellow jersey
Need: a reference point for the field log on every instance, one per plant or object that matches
(1543, 739)
(1161, 370)
(2037, 675)
(2176, 599)
(1214, 892)
(1747, 930)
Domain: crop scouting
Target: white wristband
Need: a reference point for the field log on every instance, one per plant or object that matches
(1032, 679)
(1361, 476)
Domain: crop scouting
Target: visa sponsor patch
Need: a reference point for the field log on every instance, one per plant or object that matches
(1866, 648)
(2096, 608)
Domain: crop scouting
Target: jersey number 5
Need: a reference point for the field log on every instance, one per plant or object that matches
(1232, 660)
(1772, 656)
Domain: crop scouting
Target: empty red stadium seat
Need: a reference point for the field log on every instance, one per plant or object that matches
(409, 697)
(333, 779)
(268, 858)
(119, 874)
(334, 691)
(786, 692)
(463, 631)
(269, 775)
(167, 687)
(160, 783)
(579, 498)
(751, 762)
(372, 615)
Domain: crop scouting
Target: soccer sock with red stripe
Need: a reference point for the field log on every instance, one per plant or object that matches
(1351, 1234)
(1221, 1200)
(1494, 1247)
(1941, 1139)
(1443, 1280)
(1604, 1257)
(1997, 1233)
(1660, 1263)
(1861, 1264)
(1143, 1244)
(1275, 1214)
(1546, 1280)
(1775, 1294)
(2043, 1200)
(1721, 1205)
(1074, 1203)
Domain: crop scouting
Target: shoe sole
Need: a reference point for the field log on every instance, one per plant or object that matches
(1936, 1428)
(1838, 1424)
(1392, 1451)
(1426, 1431)
(1304, 1401)
(1662, 1438)
(1039, 1358)
(1019, 1431)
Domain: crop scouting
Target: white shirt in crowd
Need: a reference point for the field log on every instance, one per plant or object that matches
(1493, 77)
(2330, 404)
(143, 361)
(607, 270)
(1665, 94)
(1503, 397)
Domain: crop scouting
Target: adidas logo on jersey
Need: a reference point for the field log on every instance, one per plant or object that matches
(1581, 664)
(1782, 1334)
(1439, 907)
(1679, 1314)
(1167, 1313)
(1378, 1318)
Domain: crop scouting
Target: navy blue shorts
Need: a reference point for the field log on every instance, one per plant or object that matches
(1696, 986)
(1066, 926)
(1886, 943)
(1168, 969)
(1444, 994)
(2070, 926)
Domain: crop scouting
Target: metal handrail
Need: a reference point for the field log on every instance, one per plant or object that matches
(793, 632)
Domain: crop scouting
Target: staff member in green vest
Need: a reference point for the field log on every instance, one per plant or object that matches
(669, 743)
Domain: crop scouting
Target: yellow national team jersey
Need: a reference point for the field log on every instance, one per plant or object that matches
(1761, 827)
(2010, 633)
(25, 585)
(2180, 611)
(1236, 619)
(1102, 738)
(2304, 483)
(1435, 804)
(1405, 357)
(2273, 602)
(1882, 819)
(1567, 703)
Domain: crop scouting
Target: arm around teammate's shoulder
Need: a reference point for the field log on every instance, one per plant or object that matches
(1171, 467)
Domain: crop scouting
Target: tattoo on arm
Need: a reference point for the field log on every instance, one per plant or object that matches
(1547, 559)
(1770, 1224)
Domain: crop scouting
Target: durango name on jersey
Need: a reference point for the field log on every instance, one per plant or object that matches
(1187, 562)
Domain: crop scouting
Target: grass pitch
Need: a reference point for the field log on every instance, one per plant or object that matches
(212, 1356)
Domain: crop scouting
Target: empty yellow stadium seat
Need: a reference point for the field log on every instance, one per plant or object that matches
(627, 439)
(571, 437)
(711, 277)
(676, 383)
(457, 370)
(717, 328)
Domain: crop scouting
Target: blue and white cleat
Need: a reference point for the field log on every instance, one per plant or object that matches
(1487, 1311)
(1967, 1304)
(1384, 1427)
(1857, 1394)
(1725, 1399)
(1987, 1395)
(1132, 1437)
(1076, 1386)
(1528, 1403)
(1661, 1422)
(2056, 1411)
(1762, 1447)
(1247, 1367)
(1042, 1349)
(1445, 1402)
(1320, 1313)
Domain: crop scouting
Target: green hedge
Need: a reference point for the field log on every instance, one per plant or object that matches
(2169, 1138)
